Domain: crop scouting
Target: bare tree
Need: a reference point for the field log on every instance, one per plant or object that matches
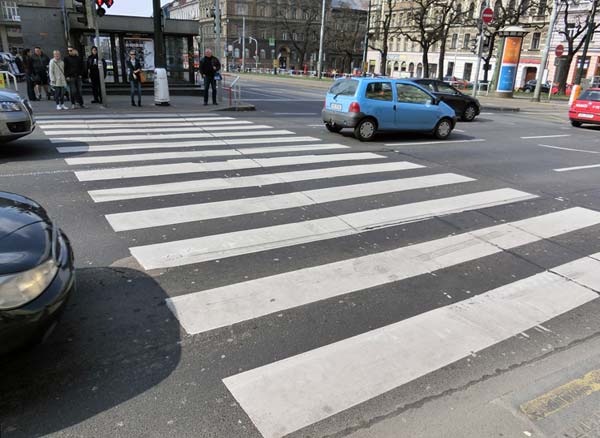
(574, 32)
(383, 30)
(301, 21)
(345, 34)
(452, 15)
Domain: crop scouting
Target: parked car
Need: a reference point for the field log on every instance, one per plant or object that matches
(382, 104)
(529, 87)
(458, 83)
(16, 117)
(465, 106)
(36, 272)
(586, 109)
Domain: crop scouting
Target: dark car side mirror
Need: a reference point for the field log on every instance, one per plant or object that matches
(436, 100)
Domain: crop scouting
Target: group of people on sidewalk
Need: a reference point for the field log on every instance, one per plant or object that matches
(59, 76)
(62, 76)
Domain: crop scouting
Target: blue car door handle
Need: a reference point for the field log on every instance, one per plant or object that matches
(394, 107)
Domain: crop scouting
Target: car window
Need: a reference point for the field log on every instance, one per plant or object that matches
(345, 87)
(593, 95)
(444, 88)
(411, 94)
(379, 91)
(429, 85)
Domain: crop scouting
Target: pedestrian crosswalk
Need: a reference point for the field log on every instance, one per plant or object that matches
(269, 190)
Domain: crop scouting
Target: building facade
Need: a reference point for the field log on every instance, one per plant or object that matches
(279, 34)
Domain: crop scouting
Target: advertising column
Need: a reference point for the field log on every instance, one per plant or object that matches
(511, 53)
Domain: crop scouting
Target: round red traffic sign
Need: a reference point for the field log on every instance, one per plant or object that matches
(560, 49)
(487, 15)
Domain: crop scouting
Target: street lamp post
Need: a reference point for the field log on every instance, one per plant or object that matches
(366, 42)
(320, 63)
(540, 75)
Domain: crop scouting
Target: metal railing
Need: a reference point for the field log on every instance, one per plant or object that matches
(233, 90)
(9, 75)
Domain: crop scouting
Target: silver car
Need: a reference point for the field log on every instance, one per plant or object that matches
(16, 117)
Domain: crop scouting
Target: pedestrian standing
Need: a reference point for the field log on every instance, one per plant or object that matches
(40, 72)
(93, 71)
(210, 68)
(58, 80)
(134, 74)
(74, 72)
(28, 70)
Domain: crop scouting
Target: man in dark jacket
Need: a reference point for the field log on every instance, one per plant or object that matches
(28, 70)
(209, 68)
(74, 72)
(40, 62)
(93, 72)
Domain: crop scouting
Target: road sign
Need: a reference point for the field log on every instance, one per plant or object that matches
(487, 15)
(560, 49)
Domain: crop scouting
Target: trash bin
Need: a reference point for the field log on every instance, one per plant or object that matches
(161, 87)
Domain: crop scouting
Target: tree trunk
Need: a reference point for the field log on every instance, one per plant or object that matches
(563, 75)
(425, 62)
(441, 60)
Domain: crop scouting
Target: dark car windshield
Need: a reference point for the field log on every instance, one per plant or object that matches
(593, 95)
(345, 87)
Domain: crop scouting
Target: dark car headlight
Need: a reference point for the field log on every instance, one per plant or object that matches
(21, 288)
(8, 106)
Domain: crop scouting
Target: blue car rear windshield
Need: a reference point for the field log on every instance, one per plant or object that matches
(345, 87)
(593, 95)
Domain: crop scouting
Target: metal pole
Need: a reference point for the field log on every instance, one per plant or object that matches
(159, 41)
(479, 53)
(100, 64)
(321, 38)
(366, 43)
(243, 44)
(540, 76)
(586, 45)
(217, 29)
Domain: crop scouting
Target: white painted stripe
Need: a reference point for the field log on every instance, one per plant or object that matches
(71, 128)
(180, 168)
(187, 128)
(546, 136)
(204, 185)
(117, 116)
(202, 249)
(417, 143)
(568, 169)
(293, 393)
(296, 114)
(181, 155)
(122, 120)
(181, 144)
(157, 136)
(568, 149)
(210, 309)
(214, 210)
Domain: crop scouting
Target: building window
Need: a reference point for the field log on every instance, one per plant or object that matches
(535, 41)
(241, 9)
(454, 43)
(467, 72)
(466, 41)
(9, 11)
(471, 11)
(450, 71)
(263, 54)
(260, 11)
(284, 36)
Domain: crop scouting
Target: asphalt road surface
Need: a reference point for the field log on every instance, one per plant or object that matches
(252, 275)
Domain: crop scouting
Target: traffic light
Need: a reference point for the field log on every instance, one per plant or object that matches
(100, 11)
(83, 7)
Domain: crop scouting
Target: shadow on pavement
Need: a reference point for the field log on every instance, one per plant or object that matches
(116, 340)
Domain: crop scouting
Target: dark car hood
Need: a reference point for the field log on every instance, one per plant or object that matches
(25, 234)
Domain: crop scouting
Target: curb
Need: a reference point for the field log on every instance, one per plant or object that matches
(500, 108)
(243, 107)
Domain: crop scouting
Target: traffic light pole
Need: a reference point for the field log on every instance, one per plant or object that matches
(159, 40)
(100, 63)
(479, 53)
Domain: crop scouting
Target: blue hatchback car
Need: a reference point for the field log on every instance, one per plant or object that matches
(383, 104)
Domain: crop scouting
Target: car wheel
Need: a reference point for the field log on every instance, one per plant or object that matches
(366, 129)
(575, 123)
(332, 127)
(443, 129)
(470, 113)
(527, 90)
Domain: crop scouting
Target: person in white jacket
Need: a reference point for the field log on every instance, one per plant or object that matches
(58, 81)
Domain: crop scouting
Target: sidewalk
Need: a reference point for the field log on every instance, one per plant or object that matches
(122, 104)
(489, 103)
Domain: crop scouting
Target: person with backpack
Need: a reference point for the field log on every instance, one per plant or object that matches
(58, 81)
(134, 74)
(93, 71)
(74, 72)
(210, 68)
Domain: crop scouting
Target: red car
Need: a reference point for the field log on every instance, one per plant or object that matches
(586, 109)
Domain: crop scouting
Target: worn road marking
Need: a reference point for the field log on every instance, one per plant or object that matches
(417, 143)
(568, 169)
(545, 136)
(568, 149)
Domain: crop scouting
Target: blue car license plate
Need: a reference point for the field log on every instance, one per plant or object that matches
(336, 106)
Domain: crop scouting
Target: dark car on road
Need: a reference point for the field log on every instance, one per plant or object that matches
(36, 272)
(465, 106)
(529, 87)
